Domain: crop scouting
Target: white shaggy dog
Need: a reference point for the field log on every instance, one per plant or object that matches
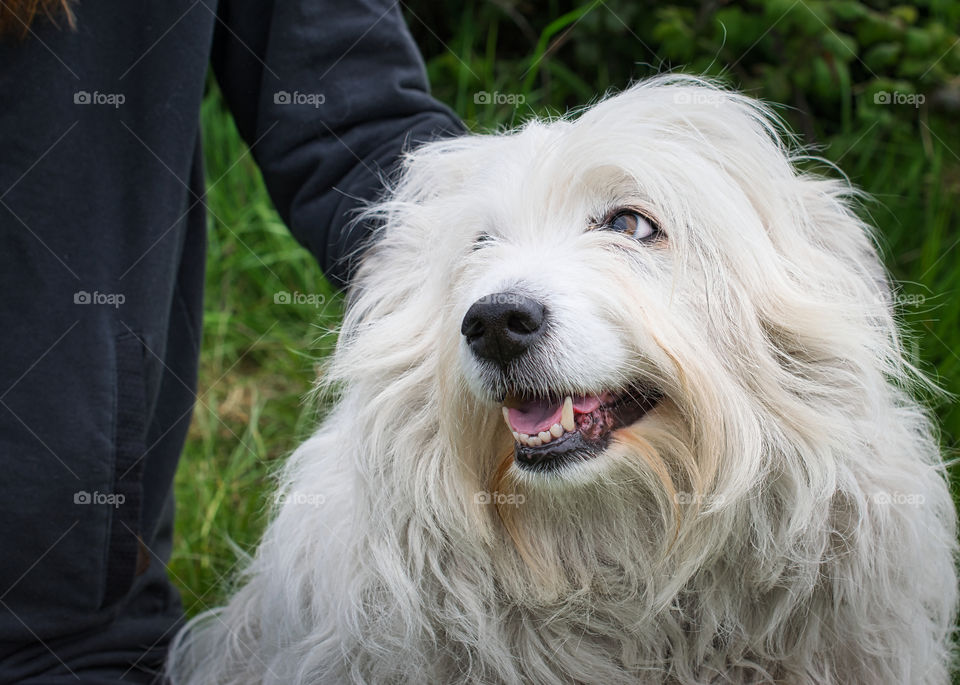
(713, 469)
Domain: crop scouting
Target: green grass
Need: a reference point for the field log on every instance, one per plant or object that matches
(258, 359)
(257, 364)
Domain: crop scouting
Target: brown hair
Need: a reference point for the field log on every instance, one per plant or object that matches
(17, 16)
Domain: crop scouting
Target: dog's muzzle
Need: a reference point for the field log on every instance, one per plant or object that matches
(555, 428)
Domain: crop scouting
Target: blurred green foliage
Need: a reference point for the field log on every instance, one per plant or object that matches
(826, 59)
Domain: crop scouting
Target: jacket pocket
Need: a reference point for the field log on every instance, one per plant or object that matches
(125, 554)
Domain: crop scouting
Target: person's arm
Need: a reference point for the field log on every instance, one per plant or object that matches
(328, 93)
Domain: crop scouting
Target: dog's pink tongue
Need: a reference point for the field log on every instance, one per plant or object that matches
(534, 416)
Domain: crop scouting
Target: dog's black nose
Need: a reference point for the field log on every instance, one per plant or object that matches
(500, 327)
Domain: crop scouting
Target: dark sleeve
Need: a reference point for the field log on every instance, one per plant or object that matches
(327, 93)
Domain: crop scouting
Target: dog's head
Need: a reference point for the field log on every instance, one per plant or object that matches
(650, 293)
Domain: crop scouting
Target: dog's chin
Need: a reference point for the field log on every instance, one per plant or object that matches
(555, 431)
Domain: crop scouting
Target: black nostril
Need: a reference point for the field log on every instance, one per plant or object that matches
(502, 326)
(524, 322)
(472, 327)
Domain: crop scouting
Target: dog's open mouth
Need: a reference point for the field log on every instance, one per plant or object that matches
(550, 432)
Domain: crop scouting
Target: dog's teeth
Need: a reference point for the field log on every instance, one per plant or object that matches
(544, 437)
(534, 442)
(524, 438)
(506, 418)
(556, 430)
(566, 419)
(516, 435)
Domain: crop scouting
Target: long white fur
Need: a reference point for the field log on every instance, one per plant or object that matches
(783, 516)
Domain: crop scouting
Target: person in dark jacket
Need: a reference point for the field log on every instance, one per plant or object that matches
(102, 233)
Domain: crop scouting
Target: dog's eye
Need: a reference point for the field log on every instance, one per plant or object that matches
(633, 224)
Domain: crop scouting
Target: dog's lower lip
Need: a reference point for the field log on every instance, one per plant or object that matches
(594, 426)
(555, 455)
